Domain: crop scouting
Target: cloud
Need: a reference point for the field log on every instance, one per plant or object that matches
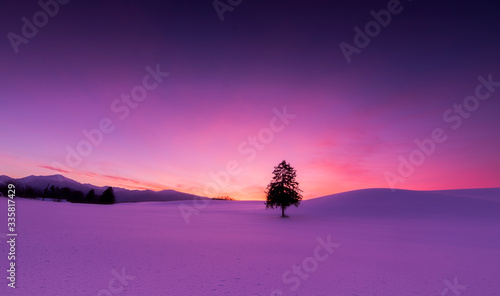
(134, 184)
(54, 169)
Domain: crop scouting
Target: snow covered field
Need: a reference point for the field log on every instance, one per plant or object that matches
(361, 243)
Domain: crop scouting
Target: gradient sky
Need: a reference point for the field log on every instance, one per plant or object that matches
(353, 120)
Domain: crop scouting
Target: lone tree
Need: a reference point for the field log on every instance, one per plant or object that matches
(108, 196)
(283, 191)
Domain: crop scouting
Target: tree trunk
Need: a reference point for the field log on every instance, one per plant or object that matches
(282, 211)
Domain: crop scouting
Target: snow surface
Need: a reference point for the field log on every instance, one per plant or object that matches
(391, 243)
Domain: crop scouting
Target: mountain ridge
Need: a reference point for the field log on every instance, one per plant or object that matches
(122, 194)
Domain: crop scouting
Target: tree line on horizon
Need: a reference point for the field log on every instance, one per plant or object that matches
(60, 194)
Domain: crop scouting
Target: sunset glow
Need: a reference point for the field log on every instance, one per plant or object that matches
(221, 110)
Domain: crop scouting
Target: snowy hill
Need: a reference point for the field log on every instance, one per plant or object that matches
(4, 179)
(385, 203)
(58, 181)
(401, 243)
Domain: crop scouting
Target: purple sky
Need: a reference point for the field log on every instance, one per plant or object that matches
(228, 80)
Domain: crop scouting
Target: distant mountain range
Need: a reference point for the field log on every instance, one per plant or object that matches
(122, 194)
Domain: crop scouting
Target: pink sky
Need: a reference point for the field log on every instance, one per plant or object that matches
(352, 121)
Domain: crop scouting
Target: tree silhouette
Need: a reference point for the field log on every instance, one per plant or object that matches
(108, 196)
(90, 197)
(45, 192)
(283, 191)
(77, 195)
(65, 192)
(73, 195)
(55, 193)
